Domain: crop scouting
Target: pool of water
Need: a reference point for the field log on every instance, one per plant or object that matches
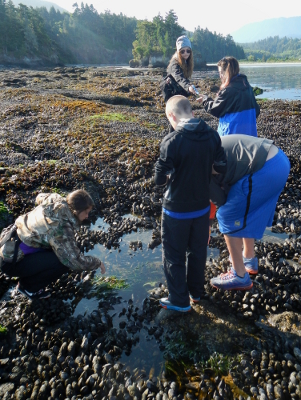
(142, 270)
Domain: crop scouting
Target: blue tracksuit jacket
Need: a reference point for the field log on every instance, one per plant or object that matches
(236, 108)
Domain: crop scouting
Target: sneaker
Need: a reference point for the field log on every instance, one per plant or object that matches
(231, 281)
(165, 303)
(251, 264)
(41, 294)
(203, 296)
(195, 299)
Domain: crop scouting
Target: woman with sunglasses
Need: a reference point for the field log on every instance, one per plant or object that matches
(181, 66)
(235, 103)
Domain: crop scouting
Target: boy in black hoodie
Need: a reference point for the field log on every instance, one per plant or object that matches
(187, 156)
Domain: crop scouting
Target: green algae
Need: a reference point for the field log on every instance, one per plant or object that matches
(3, 330)
(3, 210)
(257, 91)
(219, 363)
(102, 284)
(114, 117)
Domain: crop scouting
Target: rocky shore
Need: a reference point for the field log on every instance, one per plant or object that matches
(100, 129)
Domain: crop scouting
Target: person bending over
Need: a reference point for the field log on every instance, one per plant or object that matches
(247, 195)
(47, 247)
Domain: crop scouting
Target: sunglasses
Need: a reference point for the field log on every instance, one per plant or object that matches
(185, 51)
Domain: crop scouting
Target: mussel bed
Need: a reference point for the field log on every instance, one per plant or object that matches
(100, 129)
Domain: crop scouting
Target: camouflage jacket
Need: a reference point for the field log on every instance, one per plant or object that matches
(52, 225)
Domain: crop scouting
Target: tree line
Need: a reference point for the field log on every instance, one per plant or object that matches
(86, 36)
(273, 49)
(83, 36)
(159, 37)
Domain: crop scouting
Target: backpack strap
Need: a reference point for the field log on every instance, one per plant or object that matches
(12, 232)
(17, 244)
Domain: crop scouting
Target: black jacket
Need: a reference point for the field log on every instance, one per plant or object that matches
(187, 155)
(236, 108)
(176, 71)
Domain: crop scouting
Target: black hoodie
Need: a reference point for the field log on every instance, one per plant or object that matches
(187, 155)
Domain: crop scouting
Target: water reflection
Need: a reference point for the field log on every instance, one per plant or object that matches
(142, 269)
(279, 81)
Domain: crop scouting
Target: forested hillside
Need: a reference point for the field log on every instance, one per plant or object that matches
(54, 37)
(273, 48)
(159, 36)
(32, 36)
(213, 47)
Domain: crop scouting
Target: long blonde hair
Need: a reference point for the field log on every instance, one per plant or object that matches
(230, 68)
(187, 66)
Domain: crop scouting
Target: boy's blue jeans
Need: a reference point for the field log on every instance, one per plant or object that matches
(184, 253)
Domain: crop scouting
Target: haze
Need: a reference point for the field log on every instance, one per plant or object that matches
(218, 16)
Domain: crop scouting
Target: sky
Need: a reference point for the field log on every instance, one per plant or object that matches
(218, 16)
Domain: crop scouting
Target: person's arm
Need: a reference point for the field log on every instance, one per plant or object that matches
(164, 167)
(220, 159)
(220, 105)
(257, 108)
(64, 246)
(177, 73)
(216, 193)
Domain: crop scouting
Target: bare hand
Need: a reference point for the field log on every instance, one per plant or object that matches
(200, 99)
(192, 89)
(102, 267)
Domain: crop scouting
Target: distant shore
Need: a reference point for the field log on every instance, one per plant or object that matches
(251, 64)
